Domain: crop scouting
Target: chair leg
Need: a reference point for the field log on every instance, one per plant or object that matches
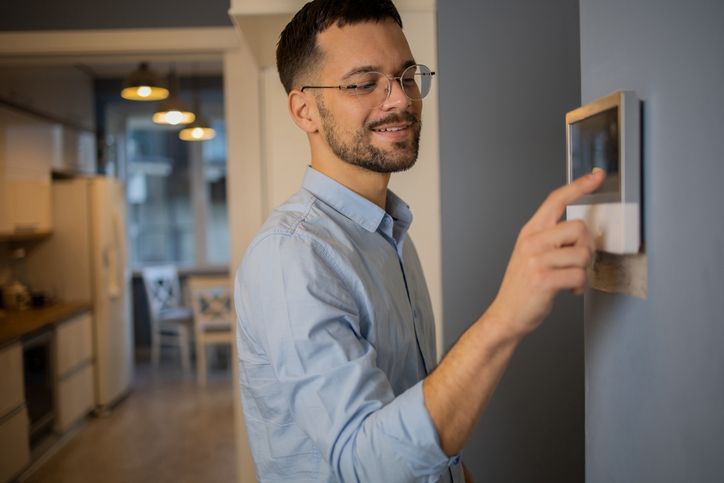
(155, 349)
(200, 362)
(184, 349)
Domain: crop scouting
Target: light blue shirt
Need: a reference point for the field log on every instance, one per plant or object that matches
(335, 334)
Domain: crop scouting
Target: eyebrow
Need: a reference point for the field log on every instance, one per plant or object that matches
(374, 68)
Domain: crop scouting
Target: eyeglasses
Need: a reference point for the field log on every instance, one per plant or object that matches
(375, 87)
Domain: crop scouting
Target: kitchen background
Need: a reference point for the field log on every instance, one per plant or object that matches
(92, 192)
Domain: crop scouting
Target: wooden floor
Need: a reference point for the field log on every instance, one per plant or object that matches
(167, 430)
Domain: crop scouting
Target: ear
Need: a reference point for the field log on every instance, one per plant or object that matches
(303, 111)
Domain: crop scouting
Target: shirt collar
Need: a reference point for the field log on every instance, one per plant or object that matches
(355, 207)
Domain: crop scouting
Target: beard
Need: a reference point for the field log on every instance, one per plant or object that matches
(359, 151)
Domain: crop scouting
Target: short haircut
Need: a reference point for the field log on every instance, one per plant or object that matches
(297, 50)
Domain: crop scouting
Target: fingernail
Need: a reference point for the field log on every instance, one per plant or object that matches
(596, 170)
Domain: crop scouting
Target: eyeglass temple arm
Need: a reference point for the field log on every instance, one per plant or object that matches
(328, 87)
(354, 86)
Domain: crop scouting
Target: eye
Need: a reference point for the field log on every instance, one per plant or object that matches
(409, 80)
(365, 87)
(364, 83)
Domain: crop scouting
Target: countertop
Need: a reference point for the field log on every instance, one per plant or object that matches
(14, 325)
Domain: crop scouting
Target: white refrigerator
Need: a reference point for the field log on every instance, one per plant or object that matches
(85, 259)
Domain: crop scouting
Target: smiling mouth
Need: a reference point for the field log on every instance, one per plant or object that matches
(395, 123)
(393, 128)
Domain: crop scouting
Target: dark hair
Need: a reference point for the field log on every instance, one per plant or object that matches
(297, 49)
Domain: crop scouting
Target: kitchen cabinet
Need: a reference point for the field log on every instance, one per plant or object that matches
(28, 148)
(14, 425)
(61, 91)
(73, 348)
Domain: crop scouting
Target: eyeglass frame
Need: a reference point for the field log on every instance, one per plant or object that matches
(353, 87)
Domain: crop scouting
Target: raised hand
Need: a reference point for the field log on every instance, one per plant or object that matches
(549, 256)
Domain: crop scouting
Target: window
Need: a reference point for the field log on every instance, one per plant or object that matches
(160, 198)
(176, 190)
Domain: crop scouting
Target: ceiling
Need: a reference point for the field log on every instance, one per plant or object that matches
(115, 67)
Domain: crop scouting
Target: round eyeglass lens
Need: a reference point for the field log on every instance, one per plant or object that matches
(375, 87)
(416, 81)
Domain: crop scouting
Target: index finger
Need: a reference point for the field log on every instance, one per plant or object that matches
(555, 205)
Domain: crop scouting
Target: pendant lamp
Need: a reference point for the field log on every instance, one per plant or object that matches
(200, 129)
(173, 111)
(143, 84)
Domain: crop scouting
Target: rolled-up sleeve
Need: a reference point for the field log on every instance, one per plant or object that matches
(297, 309)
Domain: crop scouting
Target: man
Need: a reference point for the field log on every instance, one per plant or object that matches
(335, 328)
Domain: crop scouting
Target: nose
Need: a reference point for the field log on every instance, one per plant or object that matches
(396, 97)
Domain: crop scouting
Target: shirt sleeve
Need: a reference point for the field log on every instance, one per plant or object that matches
(297, 305)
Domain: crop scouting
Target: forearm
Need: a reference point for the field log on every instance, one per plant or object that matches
(548, 257)
(459, 389)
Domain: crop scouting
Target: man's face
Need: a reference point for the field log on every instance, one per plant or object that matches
(382, 137)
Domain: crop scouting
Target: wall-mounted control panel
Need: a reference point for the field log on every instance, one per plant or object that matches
(606, 134)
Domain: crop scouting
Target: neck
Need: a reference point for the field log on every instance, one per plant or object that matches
(368, 184)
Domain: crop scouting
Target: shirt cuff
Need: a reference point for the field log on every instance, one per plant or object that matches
(414, 427)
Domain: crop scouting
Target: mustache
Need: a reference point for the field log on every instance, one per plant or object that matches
(394, 118)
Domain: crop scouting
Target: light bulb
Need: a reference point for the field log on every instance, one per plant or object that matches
(174, 117)
(197, 133)
(144, 91)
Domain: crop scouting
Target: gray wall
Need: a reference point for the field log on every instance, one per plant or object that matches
(99, 14)
(509, 71)
(655, 368)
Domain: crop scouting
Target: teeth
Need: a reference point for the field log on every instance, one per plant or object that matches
(390, 129)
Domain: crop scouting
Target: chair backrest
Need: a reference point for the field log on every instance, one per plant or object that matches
(211, 302)
(163, 289)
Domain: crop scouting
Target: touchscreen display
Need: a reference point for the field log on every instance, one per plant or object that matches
(595, 143)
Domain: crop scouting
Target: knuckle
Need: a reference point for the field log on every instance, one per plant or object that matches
(538, 279)
(534, 264)
(580, 228)
(524, 232)
(553, 197)
(525, 245)
(584, 255)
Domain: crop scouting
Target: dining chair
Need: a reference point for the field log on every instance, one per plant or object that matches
(211, 303)
(170, 321)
